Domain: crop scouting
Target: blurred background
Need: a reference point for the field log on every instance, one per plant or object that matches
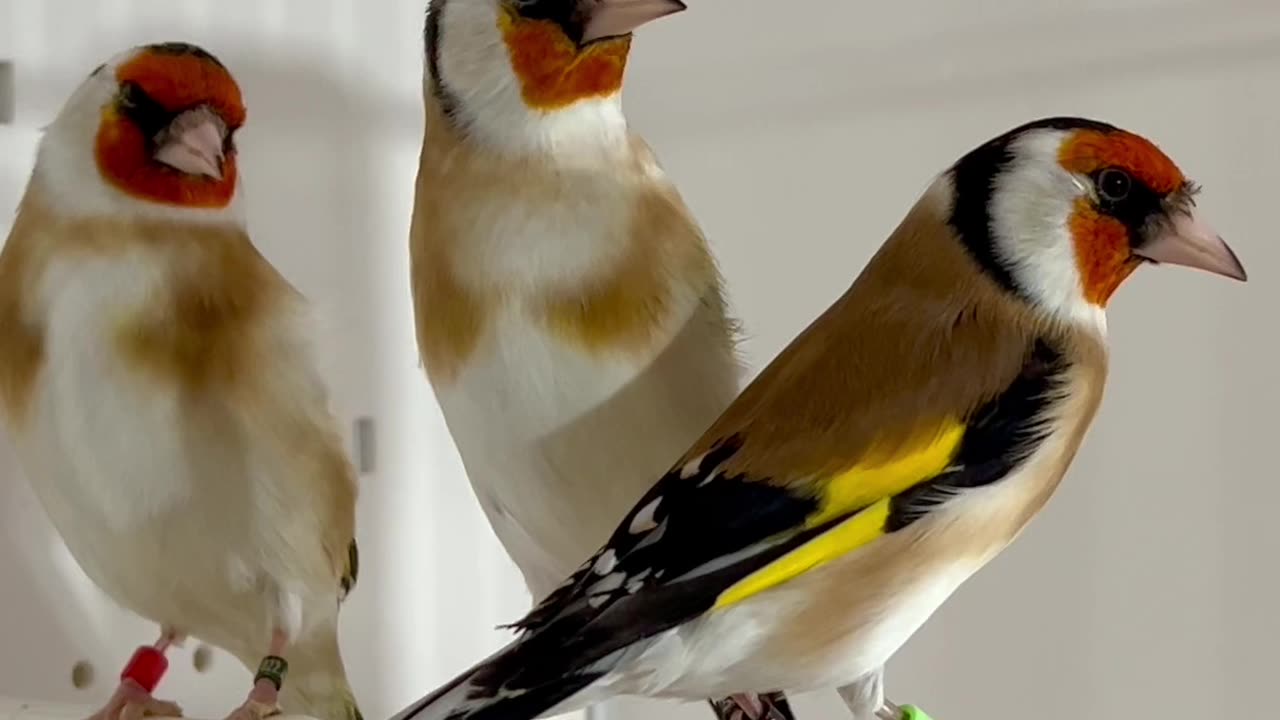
(799, 132)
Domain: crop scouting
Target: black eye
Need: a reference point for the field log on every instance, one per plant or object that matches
(131, 95)
(1114, 185)
(565, 13)
(149, 115)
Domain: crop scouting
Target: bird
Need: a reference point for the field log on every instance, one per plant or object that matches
(900, 441)
(570, 316)
(159, 385)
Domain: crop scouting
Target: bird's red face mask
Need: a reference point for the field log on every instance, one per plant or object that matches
(167, 135)
(1141, 209)
(563, 51)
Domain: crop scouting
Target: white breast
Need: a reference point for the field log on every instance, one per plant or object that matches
(521, 389)
(559, 444)
(552, 239)
(524, 383)
(112, 454)
(104, 435)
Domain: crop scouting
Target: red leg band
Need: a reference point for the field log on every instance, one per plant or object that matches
(146, 667)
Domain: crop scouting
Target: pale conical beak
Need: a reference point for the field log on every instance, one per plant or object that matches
(193, 144)
(1188, 241)
(610, 18)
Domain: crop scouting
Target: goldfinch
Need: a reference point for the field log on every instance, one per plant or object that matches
(890, 451)
(570, 316)
(156, 378)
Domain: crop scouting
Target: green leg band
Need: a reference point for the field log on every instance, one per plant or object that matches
(273, 668)
(911, 712)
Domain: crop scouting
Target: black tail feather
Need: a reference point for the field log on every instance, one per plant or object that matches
(530, 703)
(481, 694)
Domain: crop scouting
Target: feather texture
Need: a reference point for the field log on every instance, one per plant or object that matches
(570, 318)
(569, 313)
(167, 410)
(832, 528)
(890, 451)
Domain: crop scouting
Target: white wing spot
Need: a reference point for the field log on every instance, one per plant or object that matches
(608, 584)
(606, 563)
(654, 536)
(644, 521)
(596, 601)
(692, 467)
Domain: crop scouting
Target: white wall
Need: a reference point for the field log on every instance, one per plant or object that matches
(800, 136)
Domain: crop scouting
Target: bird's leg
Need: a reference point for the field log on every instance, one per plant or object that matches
(263, 700)
(865, 699)
(132, 699)
(750, 706)
(776, 707)
(889, 711)
(131, 702)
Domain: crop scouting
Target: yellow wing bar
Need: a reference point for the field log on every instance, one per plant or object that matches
(867, 487)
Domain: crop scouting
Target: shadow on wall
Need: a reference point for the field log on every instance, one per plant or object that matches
(329, 209)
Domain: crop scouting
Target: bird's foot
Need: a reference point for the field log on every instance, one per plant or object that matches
(264, 698)
(749, 706)
(170, 636)
(131, 702)
(263, 702)
(254, 710)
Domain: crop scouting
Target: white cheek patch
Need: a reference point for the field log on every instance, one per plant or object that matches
(475, 66)
(1031, 207)
(473, 56)
(67, 167)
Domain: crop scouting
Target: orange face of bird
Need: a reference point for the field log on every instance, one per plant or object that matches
(563, 51)
(167, 134)
(1140, 208)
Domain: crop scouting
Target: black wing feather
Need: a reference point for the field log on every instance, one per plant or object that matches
(709, 531)
(999, 438)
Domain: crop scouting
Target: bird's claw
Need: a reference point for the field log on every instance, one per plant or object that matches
(770, 706)
(263, 702)
(131, 702)
(254, 710)
(151, 708)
